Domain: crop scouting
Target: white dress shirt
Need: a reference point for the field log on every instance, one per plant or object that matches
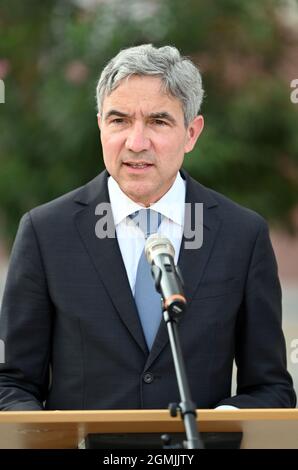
(131, 239)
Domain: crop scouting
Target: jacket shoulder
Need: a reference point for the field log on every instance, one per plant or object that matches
(233, 209)
(64, 205)
(230, 212)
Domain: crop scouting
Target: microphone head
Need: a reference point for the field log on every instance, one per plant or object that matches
(158, 244)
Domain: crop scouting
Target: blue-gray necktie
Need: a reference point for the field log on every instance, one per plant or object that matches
(148, 301)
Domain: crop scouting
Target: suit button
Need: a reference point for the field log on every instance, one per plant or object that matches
(148, 378)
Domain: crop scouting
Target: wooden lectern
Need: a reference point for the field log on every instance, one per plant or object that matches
(262, 428)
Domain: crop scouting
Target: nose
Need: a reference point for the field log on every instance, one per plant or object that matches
(137, 141)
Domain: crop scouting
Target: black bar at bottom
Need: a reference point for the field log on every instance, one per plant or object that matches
(211, 440)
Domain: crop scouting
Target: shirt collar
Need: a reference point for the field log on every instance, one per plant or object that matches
(171, 205)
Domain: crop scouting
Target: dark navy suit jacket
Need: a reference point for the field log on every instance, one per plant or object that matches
(73, 339)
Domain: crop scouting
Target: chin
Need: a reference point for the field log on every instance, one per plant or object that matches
(139, 195)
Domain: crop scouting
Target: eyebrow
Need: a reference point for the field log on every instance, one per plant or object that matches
(114, 112)
(158, 115)
(163, 115)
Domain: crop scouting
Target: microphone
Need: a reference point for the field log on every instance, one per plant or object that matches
(160, 254)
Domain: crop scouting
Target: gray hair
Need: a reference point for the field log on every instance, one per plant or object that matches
(180, 77)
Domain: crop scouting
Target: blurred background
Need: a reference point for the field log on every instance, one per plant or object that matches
(51, 55)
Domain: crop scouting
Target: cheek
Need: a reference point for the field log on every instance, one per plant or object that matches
(111, 147)
(171, 156)
(171, 145)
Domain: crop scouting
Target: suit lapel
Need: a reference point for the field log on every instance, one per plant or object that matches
(192, 262)
(105, 255)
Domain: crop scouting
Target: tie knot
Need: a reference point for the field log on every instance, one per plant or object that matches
(147, 220)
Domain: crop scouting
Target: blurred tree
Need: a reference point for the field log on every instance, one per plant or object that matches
(51, 55)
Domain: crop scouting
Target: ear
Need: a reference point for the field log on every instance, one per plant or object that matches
(98, 120)
(193, 132)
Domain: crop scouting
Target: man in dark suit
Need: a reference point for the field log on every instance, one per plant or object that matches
(75, 335)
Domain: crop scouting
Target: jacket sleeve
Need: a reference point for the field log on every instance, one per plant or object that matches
(25, 325)
(260, 355)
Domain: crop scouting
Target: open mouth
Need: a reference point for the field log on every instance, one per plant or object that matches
(138, 166)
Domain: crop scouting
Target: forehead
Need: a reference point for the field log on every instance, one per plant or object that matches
(144, 92)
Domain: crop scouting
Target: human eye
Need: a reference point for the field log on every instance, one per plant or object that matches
(117, 121)
(160, 122)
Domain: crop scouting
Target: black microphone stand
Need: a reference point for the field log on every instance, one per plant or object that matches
(186, 407)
